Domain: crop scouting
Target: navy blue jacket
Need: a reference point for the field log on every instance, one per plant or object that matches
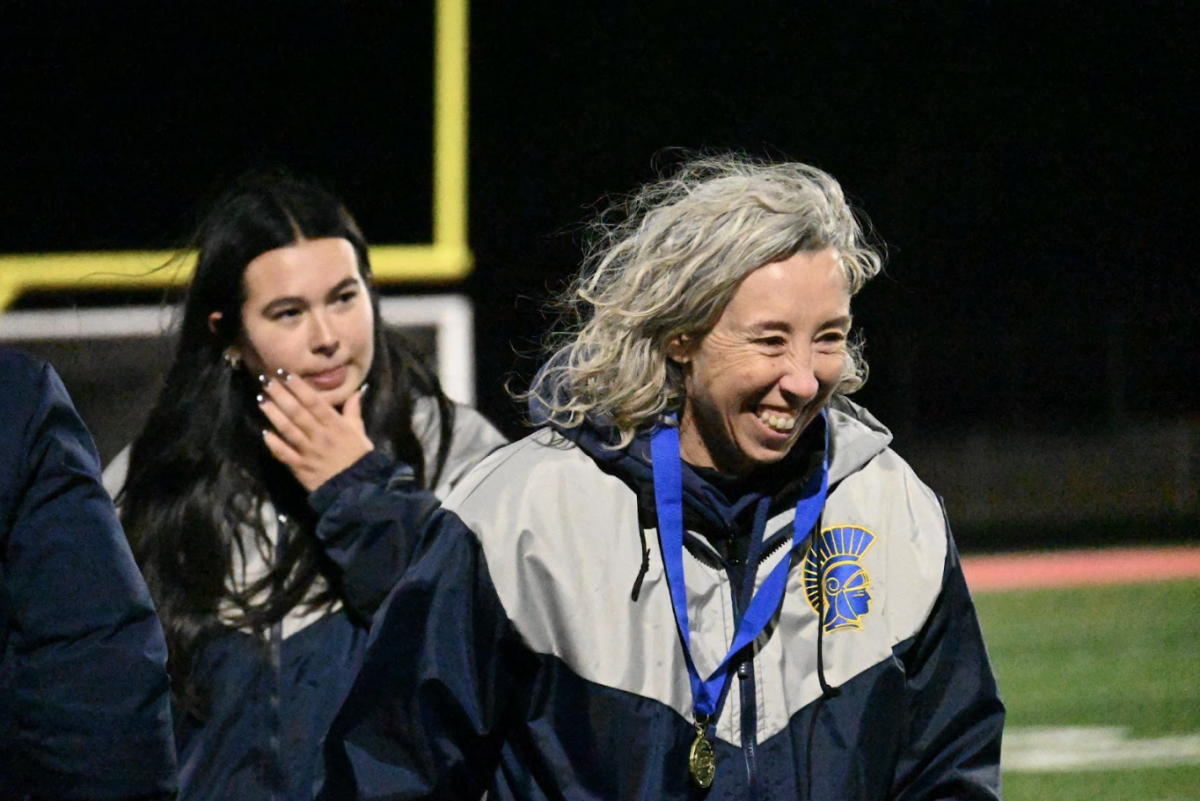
(272, 695)
(84, 695)
(531, 650)
(272, 699)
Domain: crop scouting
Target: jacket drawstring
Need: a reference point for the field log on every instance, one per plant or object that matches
(827, 691)
(637, 583)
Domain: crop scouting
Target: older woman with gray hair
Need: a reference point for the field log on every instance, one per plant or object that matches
(707, 572)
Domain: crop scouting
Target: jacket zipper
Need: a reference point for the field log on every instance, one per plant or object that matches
(745, 674)
(274, 778)
(276, 712)
(749, 721)
(755, 556)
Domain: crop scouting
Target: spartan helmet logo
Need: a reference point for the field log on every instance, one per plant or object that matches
(832, 569)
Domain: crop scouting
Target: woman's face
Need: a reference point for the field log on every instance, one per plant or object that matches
(769, 365)
(307, 311)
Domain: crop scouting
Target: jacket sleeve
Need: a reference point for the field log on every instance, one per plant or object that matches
(84, 667)
(371, 516)
(372, 513)
(953, 749)
(424, 718)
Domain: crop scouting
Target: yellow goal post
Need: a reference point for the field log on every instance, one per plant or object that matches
(447, 258)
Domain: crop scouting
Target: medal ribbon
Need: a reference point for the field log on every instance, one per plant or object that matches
(668, 496)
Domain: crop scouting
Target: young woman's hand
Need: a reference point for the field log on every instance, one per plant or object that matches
(310, 436)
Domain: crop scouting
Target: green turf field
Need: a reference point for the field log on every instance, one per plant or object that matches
(1121, 666)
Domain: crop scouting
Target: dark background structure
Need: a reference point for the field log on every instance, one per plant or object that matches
(1031, 168)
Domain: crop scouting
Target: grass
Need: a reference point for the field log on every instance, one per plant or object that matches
(1100, 656)
(1162, 784)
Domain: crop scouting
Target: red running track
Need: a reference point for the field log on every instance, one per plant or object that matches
(1051, 570)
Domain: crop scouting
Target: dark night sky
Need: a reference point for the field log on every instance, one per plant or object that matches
(1033, 171)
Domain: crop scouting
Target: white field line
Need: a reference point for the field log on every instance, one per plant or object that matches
(1081, 748)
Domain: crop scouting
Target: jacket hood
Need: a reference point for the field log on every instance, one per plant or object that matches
(855, 437)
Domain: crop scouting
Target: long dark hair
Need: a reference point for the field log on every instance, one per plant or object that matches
(199, 472)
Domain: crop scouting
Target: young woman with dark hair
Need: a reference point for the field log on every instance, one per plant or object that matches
(248, 496)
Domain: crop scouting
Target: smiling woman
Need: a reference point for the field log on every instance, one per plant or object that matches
(768, 367)
(247, 498)
(700, 504)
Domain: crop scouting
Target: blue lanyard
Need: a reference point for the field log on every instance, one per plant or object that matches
(668, 496)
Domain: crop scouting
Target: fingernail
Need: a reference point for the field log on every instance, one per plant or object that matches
(262, 379)
(363, 388)
(259, 398)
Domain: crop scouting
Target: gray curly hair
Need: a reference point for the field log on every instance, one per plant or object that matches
(668, 267)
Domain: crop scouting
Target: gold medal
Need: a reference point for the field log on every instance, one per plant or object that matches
(702, 762)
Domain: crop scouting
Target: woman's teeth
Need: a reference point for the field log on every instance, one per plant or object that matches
(777, 422)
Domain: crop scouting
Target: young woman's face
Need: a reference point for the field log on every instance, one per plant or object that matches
(768, 366)
(307, 311)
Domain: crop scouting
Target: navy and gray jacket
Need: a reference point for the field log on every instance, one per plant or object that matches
(84, 694)
(531, 650)
(272, 695)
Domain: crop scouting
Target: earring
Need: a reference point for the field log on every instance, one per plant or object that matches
(233, 359)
